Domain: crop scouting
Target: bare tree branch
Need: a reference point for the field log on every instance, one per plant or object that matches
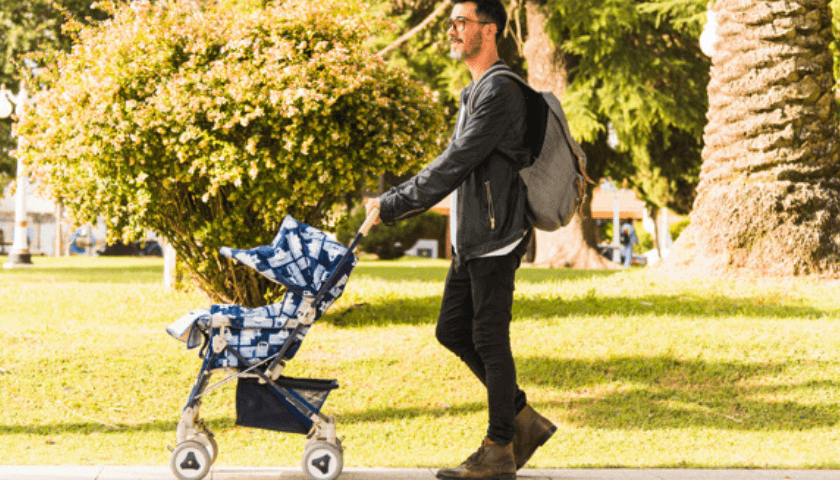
(414, 31)
(515, 7)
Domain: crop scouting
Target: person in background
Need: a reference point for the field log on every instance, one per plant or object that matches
(627, 238)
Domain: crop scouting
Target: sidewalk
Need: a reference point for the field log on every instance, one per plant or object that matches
(291, 473)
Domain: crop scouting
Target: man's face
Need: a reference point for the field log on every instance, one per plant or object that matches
(466, 44)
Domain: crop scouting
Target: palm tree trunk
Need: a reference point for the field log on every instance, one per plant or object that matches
(768, 201)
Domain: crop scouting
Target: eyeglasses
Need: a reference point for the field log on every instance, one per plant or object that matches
(460, 23)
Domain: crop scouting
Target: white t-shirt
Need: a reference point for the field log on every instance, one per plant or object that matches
(453, 230)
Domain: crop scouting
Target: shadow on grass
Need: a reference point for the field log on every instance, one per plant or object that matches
(664, 392)
(686, 305)
(87, 428)
(652, 393)
(407, 413)
(435, 272)
(134, 274)
(619, 393)
(424, 310)
(221, 424)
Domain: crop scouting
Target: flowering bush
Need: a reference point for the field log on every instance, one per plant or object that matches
(209, 121)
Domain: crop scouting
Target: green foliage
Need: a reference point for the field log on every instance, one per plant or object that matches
(646, 239)
(31, 26)
(677, 228)
(426, 55)
(389, 243)
(208, 122)
(605, 231)
(638, 66)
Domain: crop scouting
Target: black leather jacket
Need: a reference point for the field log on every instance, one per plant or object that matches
(483, 163)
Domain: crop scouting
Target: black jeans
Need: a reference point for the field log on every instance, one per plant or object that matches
(474, 323)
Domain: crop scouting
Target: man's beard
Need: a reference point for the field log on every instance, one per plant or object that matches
(462, 55)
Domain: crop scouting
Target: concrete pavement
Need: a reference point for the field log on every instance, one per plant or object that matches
(73, 472)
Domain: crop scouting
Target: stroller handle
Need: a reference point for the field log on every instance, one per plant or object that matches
(369, 221)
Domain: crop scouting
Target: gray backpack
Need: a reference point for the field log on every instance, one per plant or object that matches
(556, 180)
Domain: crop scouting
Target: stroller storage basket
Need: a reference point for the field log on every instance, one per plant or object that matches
(259, 406)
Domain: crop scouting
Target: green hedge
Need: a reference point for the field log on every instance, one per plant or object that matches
(390, 242)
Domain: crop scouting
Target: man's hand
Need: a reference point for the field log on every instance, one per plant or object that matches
(372, 203)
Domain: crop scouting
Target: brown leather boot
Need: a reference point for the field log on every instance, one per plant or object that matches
(532, 431)
(490, 462)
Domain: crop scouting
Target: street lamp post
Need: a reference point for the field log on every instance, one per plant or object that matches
(19, 255)
(609, 186)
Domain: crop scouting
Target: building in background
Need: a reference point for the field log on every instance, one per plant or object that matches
(603, 210)
(40, 223)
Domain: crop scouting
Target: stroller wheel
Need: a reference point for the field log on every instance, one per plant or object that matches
(322, 460)
(209, 441)
(190, 461)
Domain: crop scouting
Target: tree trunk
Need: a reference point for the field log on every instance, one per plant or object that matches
(573, 245)
(768, 201)
(658, 238)
(546, 64)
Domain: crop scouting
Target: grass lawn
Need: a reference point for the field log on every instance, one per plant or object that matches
(635, 369)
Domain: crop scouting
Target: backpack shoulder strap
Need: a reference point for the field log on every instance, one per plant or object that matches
(491, 72)
(534, 134)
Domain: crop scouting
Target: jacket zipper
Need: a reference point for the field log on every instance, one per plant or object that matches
(490, 209)
(406, 214)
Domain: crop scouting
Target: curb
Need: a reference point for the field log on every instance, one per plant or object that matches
(112, 472)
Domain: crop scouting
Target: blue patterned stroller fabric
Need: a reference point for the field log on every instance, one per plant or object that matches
(300, 257)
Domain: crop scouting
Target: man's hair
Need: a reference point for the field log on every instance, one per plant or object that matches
(489, 11)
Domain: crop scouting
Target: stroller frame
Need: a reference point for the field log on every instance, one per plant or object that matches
(196, 448)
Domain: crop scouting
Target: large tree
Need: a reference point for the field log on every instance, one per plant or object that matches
(768, 201)
(634, 67)
(573, 245)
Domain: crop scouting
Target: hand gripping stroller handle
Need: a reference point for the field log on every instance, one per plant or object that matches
(369, 221)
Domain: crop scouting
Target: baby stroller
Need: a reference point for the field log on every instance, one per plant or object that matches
(253, 345)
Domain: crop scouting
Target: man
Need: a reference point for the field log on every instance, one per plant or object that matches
(490, 226)
(627, 239)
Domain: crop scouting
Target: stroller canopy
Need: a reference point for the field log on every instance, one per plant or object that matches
(300, 257)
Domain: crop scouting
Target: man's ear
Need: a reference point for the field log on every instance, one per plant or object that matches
(495, 29)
